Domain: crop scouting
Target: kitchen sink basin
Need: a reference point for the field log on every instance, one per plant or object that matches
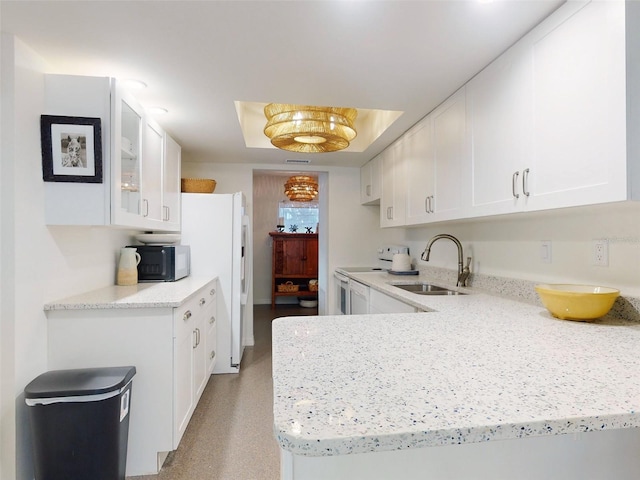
(426, 289)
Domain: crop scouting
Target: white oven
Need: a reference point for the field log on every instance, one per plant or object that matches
(342, 294)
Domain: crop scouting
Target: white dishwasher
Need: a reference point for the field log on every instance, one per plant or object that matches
(358, 297)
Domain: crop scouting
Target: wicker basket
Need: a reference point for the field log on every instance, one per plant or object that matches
(198, 185)
(313, 285)
(288, 287)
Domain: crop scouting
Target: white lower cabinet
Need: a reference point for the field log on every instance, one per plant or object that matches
(190, 356)
(171, 349)
(382, 303)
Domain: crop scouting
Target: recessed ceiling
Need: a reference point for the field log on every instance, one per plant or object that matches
(198, 57)
(369, 125)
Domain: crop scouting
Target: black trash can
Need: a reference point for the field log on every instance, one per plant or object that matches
(80, 422)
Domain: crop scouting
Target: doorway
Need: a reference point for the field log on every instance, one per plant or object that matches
(270, 205)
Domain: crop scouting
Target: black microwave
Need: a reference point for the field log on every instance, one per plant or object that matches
(163, 263)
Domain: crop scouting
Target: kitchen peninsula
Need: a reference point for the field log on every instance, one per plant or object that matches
(478, 386)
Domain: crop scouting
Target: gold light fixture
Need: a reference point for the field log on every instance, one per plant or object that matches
(309, 129)
(301, 188)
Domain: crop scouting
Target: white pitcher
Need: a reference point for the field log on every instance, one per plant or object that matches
(128, 266)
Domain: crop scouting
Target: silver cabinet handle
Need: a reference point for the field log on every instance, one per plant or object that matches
(514, 179)
(389, 213)
(212, 291)
(196, 337)
(187, 315)
(525, 182)
(166, 213)
(431, 202)
(426, 204)
(212, 320)
(202, 301)
(368, 190)
(212, 354)
(146, 207)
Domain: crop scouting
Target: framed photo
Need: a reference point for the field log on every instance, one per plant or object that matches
(71, 149)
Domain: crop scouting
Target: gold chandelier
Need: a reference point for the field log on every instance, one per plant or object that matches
(301, 188)
(309, 129)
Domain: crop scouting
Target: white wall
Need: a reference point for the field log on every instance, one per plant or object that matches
(509, 246)
(38, 263)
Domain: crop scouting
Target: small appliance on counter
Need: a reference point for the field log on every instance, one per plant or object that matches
(163, 263)
(396, 259)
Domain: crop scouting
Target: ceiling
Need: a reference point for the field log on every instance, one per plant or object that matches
(199, 57)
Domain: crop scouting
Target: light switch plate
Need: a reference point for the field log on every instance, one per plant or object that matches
(545, 251)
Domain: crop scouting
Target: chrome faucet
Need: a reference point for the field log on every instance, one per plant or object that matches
(463, 271)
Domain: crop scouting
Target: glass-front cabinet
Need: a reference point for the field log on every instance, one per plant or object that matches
(141, 163)
(127, 149)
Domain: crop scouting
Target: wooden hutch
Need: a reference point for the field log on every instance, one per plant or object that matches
(294, 259)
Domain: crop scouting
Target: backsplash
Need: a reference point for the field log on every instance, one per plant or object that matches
(625, 308)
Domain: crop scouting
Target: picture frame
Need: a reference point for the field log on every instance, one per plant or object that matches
(71, 149)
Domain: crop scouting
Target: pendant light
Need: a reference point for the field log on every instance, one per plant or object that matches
(309, 129)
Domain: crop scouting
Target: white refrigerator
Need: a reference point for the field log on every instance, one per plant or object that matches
(216, 228)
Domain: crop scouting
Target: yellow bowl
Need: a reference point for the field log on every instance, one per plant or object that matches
(577, 302)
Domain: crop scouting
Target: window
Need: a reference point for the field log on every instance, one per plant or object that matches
(300, 217)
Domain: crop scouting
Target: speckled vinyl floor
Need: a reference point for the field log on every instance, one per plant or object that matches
(230, 436)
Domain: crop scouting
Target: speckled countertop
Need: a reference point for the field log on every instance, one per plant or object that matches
(142, 295)
(472, 368)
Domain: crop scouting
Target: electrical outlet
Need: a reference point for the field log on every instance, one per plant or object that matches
(601, 253)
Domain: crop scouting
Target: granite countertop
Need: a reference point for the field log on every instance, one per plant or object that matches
(471, 368)
(142, 295)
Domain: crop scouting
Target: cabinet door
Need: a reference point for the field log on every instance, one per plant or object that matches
(293, 254)
(392, 195)
(200, 374)
(451, 157)
(579, 101)
(381, 303)
(499, 117)
(152, 165)
(370, 180)
(126, 125)
(420, 172)
(171, 184)
(311, 257)
(184, 400)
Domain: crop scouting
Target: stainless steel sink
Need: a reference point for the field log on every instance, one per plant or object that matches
(426, 289)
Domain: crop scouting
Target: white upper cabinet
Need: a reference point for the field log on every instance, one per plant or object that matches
(393, 197)
(140, 188)
(421, 172)
(579, 108)
(499, 115)
(370, 182)
(451, 158)
(171, 181)
(127, 139)
(152, 167)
